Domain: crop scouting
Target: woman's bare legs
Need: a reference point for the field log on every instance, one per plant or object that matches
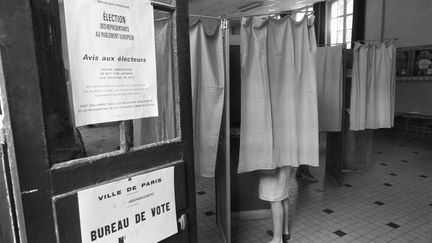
(285, 204)
(277, 210)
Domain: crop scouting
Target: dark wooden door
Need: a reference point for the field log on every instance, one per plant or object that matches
(55, 159)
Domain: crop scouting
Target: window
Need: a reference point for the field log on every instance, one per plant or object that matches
(341, 19)
(302, 12)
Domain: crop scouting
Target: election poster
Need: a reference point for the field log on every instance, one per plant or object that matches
(133, 210)
(111, 49)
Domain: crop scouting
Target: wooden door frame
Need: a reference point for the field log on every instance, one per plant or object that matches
(38, 181)
(12, 225)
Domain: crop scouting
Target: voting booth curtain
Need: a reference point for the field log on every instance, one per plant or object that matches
(329, 86)
(208, 85)
(373, 86)
(279, 115)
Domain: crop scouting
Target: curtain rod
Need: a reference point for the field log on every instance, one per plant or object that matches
(349, 42)
(162, 19)
(192, 15)
(203, 16)
(388, 39)
(279, 13)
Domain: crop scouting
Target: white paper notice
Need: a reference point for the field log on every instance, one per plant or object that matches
(135, 210)
(111, 48)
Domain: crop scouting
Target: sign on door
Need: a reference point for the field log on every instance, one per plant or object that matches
(133, 210)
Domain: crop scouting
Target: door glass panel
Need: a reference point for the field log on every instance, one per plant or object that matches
(163, 127)
(65, 141)
(100, 138)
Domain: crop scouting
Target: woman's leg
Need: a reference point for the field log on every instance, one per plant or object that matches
(285, 204)
(278, 221)
(304, 174)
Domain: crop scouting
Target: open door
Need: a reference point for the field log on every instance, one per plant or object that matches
(58, 162)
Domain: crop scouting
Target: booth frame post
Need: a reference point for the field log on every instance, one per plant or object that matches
(223, 161)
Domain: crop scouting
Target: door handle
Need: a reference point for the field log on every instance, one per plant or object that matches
(183, 222)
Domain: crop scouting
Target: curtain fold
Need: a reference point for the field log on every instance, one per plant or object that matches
(279, 116)
(373, 86)
(256, 134)
(329, 86)
(208, 85)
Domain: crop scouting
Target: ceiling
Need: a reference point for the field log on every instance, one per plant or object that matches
(234, 9)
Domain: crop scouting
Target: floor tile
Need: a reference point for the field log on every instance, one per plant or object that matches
(339, 233)
(393, 225)
(328, 211)
(379, 203)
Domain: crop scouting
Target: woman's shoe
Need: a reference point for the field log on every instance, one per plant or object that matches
(285, 237)
(308, 178)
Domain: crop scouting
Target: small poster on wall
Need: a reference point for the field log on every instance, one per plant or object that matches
(134, 210)
(111, 48)
(423, 62)
(402, 63)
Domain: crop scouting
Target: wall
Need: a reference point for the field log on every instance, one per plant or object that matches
(409, 21)
(415, 96)
(373, 18)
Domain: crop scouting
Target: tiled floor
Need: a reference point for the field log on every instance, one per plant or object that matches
(392, 202)
(208, 231)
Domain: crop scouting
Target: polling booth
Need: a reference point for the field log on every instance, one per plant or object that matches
(279, 103)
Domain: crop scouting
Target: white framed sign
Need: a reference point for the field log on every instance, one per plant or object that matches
(133, 210)
(111, 49)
